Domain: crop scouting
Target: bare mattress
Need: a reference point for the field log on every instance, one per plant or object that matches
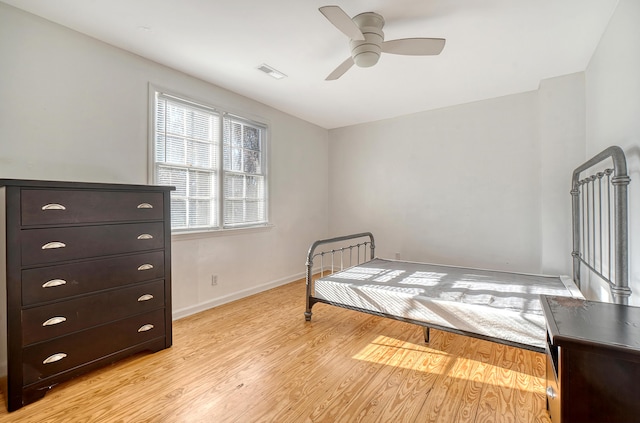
(499, 306)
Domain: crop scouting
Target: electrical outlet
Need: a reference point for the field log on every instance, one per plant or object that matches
(214, 280)
(397, 256)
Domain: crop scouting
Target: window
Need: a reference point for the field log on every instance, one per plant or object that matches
(216, 161)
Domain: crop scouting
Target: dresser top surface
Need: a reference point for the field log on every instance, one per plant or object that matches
(29, 183)
(576, 321)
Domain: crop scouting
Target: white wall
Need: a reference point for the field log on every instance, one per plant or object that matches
(73, 108)
(613, 115)
(458, 185)
(561, 120)
(484, 184)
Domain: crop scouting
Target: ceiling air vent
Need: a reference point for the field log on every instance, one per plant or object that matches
(271, 71)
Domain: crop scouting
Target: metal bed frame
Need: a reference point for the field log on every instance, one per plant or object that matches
(599, 226)
(365, 245)
(311, 255)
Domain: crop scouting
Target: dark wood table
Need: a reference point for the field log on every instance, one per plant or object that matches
(593, 361)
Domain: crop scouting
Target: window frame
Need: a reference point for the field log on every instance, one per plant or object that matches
(218, 191)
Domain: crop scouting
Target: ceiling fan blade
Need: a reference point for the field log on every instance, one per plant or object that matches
(414, 46)
(340, 70)
(342, 21)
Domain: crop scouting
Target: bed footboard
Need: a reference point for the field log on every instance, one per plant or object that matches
(599, 221)
(345, 248)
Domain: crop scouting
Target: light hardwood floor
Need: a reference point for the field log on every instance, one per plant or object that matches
(257, 360)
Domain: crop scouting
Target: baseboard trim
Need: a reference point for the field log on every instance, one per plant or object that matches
(188, 311)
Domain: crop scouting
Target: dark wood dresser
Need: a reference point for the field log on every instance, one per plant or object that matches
(85, 279)
(593, 361)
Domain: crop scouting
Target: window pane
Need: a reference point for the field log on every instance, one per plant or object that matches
(198, 125)
(251, 161)
(199, 154)
(178, 213)
(234, 186)
(160, 148)
(199, 213)
(236, 159)
(175, 119)
(236, 134)
(200, 184)
(251, 138)
(233, 212)
(244, 185)
(254, 211)
(160, 115)
(175, 151)
(255, 187)
(175, 177)
(187, 139)
(226, 156)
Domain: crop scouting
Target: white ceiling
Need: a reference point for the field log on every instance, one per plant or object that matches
(494, 48)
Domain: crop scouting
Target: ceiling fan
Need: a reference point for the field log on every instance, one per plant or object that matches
(367, 40)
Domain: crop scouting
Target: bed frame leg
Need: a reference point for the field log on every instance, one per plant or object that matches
(427, 334)
(307, 311)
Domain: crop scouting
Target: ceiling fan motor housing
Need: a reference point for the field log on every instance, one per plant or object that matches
(365, 53)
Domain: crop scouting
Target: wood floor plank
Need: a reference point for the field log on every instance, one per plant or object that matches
(258, 360)
(442, 405)
(291, 374)
(367, 404)
(472, 391)
(335, 408)
(417, 385)
(322, 370)
(392, 397)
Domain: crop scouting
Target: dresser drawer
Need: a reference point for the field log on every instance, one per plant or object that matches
(56, 356)
(44, 207)
(53, 320)
(552, 389)
(52, 283)
(50, 245)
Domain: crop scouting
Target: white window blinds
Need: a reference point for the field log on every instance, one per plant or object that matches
(216, 162)
(244, 179)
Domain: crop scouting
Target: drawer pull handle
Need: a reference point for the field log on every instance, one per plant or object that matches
(145, 236)
(145, 266)
(54, 282)
(550, 392)
(145, 328)
(145, 297)
(53, 245)
(53, 358)
(145, 206)
(54, 321)
(53, 206)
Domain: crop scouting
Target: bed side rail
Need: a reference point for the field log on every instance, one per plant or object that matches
(342, 246)
(600, 222)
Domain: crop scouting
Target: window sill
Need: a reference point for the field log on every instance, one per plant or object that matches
(186, 235)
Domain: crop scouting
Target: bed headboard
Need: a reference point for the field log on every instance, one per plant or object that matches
(353, 253)
(599, 221)
(344, 252)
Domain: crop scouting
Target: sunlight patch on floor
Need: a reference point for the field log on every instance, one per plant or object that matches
(393, 352)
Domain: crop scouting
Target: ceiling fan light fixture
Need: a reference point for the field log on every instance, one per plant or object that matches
(366, 59)
(366, 53)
